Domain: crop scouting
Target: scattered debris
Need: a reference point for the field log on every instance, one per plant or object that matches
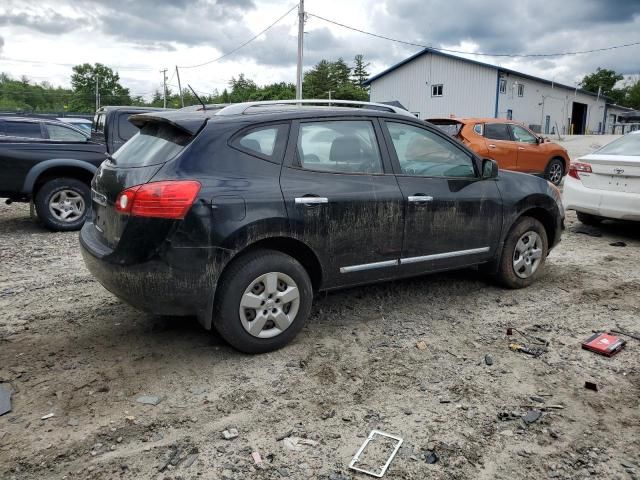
(430, 457)
(618, 244)
(421, 345)
(297, 444)
(5, 398)
(532, 416)
(488, 360)
(535, 398)
(230, 434)
(149, 399)
(509, 331)
(190, 460)
(506, 416)
(388, 441)
(584, 231)
(591, 386)
(604, 344)
(284, 435)
(528, 349)
(257, 459)
(48, 415)
(625, 333)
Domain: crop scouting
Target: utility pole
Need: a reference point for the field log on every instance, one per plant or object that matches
(97, 93)
(180, 87)
(300, 49)
(330, 92)
(164, 83)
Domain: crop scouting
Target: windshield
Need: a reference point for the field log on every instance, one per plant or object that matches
(627, 145)
(155, 143)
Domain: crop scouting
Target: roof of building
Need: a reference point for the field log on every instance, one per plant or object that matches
(475, 62)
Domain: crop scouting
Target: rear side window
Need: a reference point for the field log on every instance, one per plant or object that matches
(260, 140)
(156, 143)
(339, 146)
(23, 129)
(126, 129)
(64, 134)
(497, 131)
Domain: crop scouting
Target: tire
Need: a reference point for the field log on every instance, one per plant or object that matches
(62, 204)
(513, 269)
(554, 171)
(250, 279)
(589, 219)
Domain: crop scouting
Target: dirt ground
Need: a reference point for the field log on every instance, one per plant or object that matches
(75, 354)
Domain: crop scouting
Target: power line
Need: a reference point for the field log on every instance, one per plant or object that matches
(242, 45)
(448, 50)
(42, 62)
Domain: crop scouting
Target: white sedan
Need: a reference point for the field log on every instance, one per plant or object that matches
(606, 183)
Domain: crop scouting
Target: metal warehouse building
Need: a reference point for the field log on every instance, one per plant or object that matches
(436, 84)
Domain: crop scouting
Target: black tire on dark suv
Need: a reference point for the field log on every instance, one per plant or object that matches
(239, 214)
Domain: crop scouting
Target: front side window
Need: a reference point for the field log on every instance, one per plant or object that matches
(497, 131)
(64, 134)
(339, 146)
(23, 129)
(421, 152)
(522, 135)
(436, 90)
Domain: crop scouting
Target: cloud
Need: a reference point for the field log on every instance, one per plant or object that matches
(49, 22)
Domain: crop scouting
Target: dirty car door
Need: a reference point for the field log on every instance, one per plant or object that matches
(339, 200)
(452, 216)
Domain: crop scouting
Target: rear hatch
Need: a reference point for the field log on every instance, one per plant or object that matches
(615, 166)
(135, 163)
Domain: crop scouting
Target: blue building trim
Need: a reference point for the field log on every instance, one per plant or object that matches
(495, 115)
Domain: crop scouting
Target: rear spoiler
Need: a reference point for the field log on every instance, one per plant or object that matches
(188, 123)
(450, 126)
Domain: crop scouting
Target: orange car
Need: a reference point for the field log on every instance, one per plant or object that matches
(512, 145)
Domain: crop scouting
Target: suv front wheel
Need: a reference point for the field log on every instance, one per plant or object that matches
(263, 301)
(524, 253)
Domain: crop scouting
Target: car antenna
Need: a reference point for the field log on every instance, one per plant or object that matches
(204, 107)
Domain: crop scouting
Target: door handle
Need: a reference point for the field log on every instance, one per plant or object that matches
(520, 148)
(419, 198)
(311, 200)
(491, 145)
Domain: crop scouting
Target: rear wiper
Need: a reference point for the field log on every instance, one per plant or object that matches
(110, 158)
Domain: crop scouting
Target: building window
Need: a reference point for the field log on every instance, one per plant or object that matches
(510, 114)
(520, 90)
(503, 85)
(436, 90)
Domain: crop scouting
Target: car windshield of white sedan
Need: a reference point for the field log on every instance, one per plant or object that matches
(627, 145)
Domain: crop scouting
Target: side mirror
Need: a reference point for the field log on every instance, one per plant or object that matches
(489, 168)
(540, 140)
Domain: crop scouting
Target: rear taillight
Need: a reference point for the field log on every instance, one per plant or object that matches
(168, 199)
(577, 167)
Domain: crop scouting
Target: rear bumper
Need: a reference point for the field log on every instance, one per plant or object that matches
(173, 281)
(603, 203)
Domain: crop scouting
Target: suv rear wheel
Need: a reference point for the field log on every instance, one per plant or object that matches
(554, 171)
(524, 253)
(263, 301)
(62, 204)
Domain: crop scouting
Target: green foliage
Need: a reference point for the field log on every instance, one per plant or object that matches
(606, 80)
(633, 95)
(83, 83)
(344, 82)
(21, 95)
(360, 73)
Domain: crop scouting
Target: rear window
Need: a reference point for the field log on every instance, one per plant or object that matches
(98, 122)
(627, 145)
(450, 128)
(126, 129)
(497, 131)
(156, 143)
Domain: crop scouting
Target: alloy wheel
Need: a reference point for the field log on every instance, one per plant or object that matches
(67, 206)
(555, 173)
(269, 305)
(527, 254)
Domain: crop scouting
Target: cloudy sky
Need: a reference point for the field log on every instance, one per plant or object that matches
(42, 39)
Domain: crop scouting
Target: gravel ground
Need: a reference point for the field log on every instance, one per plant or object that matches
(407, 357)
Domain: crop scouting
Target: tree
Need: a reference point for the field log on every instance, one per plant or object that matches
(605, 79)
(633, 95)
(359, 72)
(83, 83)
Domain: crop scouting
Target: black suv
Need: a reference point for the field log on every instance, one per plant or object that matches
(238, 215)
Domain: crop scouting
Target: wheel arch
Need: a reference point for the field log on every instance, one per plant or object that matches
(57, 168)
(544, 217)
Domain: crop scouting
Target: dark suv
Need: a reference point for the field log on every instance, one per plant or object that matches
(238, 215)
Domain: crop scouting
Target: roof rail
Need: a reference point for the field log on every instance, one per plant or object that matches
(241, 108)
